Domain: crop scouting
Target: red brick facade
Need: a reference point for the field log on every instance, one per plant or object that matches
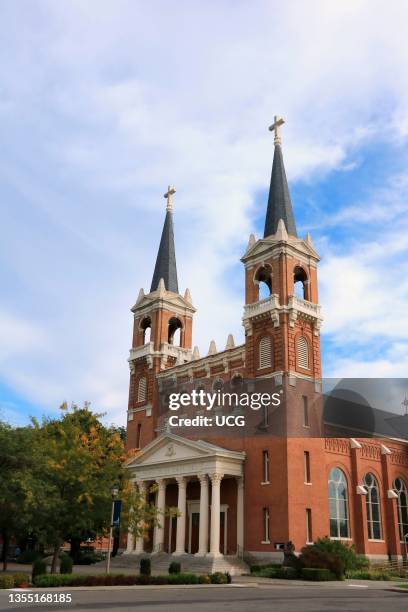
(290, 505)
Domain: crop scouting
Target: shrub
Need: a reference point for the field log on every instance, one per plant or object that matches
(6, 581)
(145, 567)
(87, 558)
(39, 568)
(361, 562)
(291, 560)
(65, 564)
(229, 579)
(346, 554)
(57, 580)
(367, 574)
(288, 573)
(21, 579)
(271, 572)
(204, 579)
(260, 568)
(28, 556)
(218, 578)
(181, 579)
(313, 557)
(317, 574)
(174, 567)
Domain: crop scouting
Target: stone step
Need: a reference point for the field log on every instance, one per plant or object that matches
(189, 563)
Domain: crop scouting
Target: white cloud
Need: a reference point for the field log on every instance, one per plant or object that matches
(103, 104)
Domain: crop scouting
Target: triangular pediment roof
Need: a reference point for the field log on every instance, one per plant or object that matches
(169, 447)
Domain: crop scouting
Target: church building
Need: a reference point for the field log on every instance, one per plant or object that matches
(243, 495)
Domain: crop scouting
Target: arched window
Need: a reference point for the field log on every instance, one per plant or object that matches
(373, 507)
(402, 504)
(265, 352)
(142, 389)
(300, 287)
(338, 504)
(303, 353)
(146, 327)
(263, 278)
(174, 336)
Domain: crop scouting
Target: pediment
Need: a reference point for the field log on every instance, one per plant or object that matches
(169, 447)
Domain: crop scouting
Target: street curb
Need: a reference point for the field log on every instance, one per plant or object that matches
(146, 587)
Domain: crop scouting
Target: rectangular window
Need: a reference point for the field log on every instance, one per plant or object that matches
(266, 525)
(305, 411)
(309, 533)
(265, 466)
(138, 434)
(306, 459)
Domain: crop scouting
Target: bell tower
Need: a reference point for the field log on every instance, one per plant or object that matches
(281, 314)
(162, 335)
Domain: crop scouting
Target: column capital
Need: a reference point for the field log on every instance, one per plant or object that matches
(181, 481)
(203, 478)
(240, 481)
(216, 478)
(161, 482)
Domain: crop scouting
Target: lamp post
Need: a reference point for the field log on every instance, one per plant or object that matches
(114, 492)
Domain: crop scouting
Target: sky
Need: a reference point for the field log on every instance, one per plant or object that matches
(103, 104)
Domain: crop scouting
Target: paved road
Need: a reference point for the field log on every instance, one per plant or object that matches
(236, 599)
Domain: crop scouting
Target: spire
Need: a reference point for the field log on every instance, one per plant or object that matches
(165, 267)
(279, 203)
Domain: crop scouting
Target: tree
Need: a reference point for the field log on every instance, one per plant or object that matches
(76, 461)
(15, 463)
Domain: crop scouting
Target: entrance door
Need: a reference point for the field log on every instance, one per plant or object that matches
(195, 528)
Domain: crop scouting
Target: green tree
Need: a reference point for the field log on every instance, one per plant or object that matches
(76, 461)
(15, 465)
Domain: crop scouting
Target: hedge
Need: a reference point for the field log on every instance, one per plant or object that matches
(58, 580)
(317, 574)
(368, 574)
(287, 573)
(6, 581)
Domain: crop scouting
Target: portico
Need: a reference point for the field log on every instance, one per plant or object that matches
(205, 483)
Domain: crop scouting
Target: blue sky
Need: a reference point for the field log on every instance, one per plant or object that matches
(103, 104)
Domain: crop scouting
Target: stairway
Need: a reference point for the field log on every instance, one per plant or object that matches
(189, 563)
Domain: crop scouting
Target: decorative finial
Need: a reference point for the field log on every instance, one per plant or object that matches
(169, 195)
(275, 127)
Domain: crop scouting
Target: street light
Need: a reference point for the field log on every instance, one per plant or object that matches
(114, 493)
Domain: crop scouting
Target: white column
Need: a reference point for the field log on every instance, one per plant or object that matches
(204, 501)
(215, 514)
(158, 535)
(130, 545)
(240, 515)
(181, 518)
(139, 548)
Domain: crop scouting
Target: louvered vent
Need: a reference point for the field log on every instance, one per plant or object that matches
(303, 353)
(142, 390)
(265, 353)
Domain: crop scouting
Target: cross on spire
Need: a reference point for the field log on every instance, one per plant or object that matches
(169, 195)
(275, 127)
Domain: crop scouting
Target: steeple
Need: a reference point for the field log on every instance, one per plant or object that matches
(165, 267)
(279, 203)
